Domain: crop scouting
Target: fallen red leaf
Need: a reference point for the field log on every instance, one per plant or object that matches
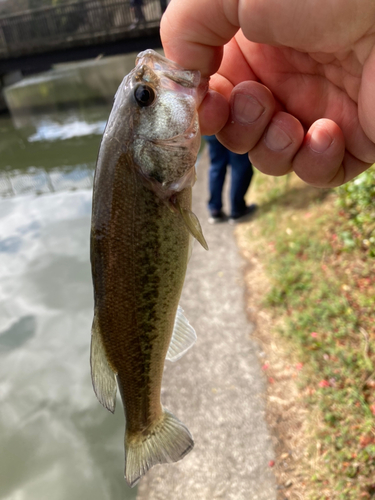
(365, 440)
(324, 383)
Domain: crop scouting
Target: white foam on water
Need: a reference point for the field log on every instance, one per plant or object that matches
(48, 130)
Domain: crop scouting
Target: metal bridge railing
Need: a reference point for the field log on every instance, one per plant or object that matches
(85, 21)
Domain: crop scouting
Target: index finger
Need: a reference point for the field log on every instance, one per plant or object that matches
(193, 32)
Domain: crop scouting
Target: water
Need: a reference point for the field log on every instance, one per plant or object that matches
(56, 441)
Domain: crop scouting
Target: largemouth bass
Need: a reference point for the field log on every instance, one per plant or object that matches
(141, 233)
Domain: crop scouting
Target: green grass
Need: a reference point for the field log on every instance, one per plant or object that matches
(356, 199)
(323, 290)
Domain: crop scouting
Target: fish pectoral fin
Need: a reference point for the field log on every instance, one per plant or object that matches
(191, 243)
(193, 225)
(102, 375)
(183, 337)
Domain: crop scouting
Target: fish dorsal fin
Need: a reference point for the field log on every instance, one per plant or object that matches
(102, 375)
(183, 336)
(192, 223)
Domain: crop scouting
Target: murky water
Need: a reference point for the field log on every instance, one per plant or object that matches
(56, 441)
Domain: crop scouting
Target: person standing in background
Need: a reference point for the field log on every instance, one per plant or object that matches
(241, 175)
(138, 12)
(163, 5)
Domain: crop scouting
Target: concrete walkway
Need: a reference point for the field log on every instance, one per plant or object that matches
(217, 388)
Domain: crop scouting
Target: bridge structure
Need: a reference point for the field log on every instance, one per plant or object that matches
(34, 40)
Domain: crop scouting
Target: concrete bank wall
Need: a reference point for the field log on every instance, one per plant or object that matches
(92, 80)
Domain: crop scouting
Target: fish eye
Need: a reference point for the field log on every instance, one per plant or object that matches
(144, 95)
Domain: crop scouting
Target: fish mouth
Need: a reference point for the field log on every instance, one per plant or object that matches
(182, 140)
(178, 141)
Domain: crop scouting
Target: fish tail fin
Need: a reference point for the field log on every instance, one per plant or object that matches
(169, 441)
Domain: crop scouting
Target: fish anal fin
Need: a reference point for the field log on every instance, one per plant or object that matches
(168, 441)
(102, 375)
(192, 223)
(183, 337)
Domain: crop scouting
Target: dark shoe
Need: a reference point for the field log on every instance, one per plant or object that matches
(217, 217)
(246, 215)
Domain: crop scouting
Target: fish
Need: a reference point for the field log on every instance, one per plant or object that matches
(142, 229)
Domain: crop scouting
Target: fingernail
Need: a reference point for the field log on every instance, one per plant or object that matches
(276, 138)
(246, 108)
(320, 139)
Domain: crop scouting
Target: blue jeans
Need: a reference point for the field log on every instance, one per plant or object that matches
(242, 172)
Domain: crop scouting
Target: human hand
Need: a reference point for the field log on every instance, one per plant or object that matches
(293, 82)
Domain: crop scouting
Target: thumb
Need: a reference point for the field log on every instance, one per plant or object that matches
(193, 32)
